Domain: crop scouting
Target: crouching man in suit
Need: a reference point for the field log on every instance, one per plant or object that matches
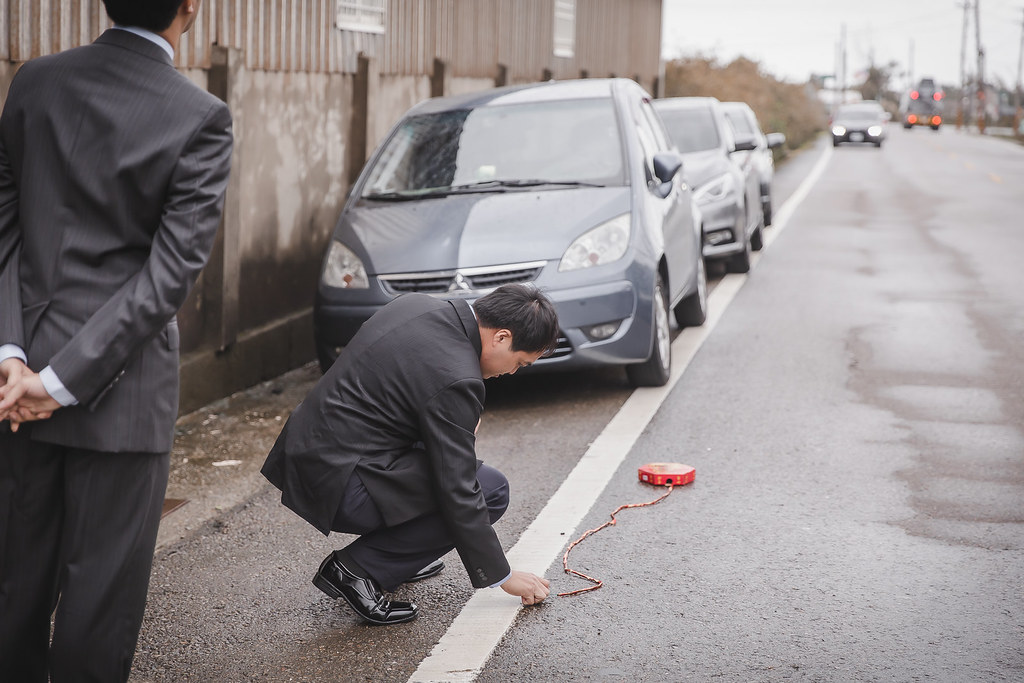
(384, 447)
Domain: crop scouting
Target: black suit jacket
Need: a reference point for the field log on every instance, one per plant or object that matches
(113, 168)
(400, 406)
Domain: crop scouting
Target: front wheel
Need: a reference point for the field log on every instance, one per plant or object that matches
(654, 372)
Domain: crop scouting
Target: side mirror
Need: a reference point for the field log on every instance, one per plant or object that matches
(667, 165)
(775, 140)
(745, 145)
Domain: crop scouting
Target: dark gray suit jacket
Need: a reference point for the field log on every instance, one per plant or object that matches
(400, 406)
(113, 168)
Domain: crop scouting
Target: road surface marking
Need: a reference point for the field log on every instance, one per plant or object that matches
(464, 649)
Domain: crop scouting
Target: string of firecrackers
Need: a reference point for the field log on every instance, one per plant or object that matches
(658, 474)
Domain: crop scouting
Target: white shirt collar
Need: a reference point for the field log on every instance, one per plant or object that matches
(150, 36)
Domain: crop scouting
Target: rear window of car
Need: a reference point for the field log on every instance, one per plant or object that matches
(559, 141)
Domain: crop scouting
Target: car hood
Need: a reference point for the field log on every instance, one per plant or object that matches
(700, 167)
(476, 229)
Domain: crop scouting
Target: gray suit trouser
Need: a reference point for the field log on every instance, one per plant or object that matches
(77, 533)
(392, 554)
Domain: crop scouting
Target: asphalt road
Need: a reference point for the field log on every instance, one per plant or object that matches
(855, 419)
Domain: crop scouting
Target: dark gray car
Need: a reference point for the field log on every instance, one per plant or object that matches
(728, 196)
(572, 186)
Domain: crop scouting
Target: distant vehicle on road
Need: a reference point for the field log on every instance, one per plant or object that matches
(859, 122)
(747, 128)
(922, 105)
(572, 186)
(729, 196)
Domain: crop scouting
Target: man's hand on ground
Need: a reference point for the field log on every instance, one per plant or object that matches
(530, 587)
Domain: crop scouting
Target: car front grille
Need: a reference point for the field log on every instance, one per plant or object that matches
(562, 348)
(482, 280)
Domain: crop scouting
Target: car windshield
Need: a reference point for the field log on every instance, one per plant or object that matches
(859, 114)
(560, 143)
(693, 130)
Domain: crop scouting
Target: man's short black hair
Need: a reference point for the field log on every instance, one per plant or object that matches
(524, 311)
(152, 15)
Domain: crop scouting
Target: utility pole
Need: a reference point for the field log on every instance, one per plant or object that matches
(981, 66)
(963, 69)
(1017, 113)
(842, 64)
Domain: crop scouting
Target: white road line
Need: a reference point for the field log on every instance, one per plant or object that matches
(464, 649)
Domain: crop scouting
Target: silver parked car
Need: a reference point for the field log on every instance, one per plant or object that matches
(729, 197)
(572, 186)
(761, 158)
(859, 122)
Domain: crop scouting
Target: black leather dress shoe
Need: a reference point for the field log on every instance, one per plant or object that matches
(364, 595)
(432, 569)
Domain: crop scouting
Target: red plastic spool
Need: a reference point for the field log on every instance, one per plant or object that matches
(666, 474)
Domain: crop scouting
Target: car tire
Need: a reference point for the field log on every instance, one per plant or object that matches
(766, 206)
(693, 310)
(835, 143)
(740, 263)
(655, 371)
(757, 238)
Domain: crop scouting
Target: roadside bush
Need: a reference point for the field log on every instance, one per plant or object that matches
(780, 107)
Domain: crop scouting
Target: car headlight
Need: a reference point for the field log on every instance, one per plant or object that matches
(838, 130)
(344, 269)
(604, 244)
(875, 131)
(716, 189)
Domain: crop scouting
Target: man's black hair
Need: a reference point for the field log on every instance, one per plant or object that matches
(152, 15)
(524, 311)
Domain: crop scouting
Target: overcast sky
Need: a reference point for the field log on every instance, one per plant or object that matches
(793, 39)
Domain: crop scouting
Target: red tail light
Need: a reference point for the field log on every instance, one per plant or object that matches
(936, 120)
(911, 118)
(937, 96)
(914, 95)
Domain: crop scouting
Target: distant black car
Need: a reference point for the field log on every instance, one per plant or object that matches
(748, 129)
(859, 122)
(922, 105)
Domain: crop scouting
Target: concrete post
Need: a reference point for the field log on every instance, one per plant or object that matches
(362, 131)
(438, 79)
(221, 276)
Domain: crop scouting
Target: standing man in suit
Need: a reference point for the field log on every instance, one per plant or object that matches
(384, 447)
(113, 168)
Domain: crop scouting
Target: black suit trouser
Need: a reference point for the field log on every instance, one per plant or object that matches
(77, 533)
(393, 554)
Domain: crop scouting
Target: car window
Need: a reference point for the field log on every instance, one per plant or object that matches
(740, 122)
(560, 141)
(693, 129)
(859, 113)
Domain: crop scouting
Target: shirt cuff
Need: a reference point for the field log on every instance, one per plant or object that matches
(507, 577)
(12, 351)
(55, 388)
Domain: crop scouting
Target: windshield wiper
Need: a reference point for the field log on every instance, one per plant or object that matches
(531, 182)
(480, 186)
(407, 195)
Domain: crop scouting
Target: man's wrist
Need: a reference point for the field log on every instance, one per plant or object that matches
(12, 351)
(55, 388)
(507, 577)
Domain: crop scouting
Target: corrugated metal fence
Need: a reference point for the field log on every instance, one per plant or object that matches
(612, 36)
